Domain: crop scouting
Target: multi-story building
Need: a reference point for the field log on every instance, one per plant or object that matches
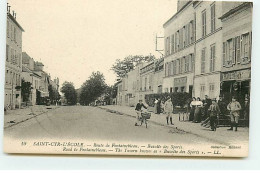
(158, 76)
(45, 79)
(208, 48)
(179, 33)
(236, 50)
(13, 63)
(28, 75)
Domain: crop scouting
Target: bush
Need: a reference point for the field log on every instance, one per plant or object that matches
(178, 99)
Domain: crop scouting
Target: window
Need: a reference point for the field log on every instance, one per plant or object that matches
(172, 44)
(166, 69)
(213, 17)
(169, 68)
(202, 91)
(15, 57)
(7, 52)
(204, 26)
(8, 28)
(211, 90)
(203, 60)
(245, 47)
(191, 62)
(187, 59)
(182, 89)
(11, 32)
(14, 34)
(224, 53)
(181, 39)
(191, 32)
(176, 89)
(183, 64)
(171, 90)
(212, 57)
(7, 76)
(178, 41)
(174, 67)
(12, 55)
(178, 64)
(184, 36)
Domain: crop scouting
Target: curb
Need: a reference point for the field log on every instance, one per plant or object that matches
(29, 118)
(160, 124)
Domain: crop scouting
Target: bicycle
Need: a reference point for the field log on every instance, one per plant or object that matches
(144, 118)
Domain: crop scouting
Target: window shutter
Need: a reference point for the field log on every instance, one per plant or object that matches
(234, 51)
(238, 45)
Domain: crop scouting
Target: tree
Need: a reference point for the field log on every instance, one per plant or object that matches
(122, 67)
(92, 88)
(53, 94)
(26, 90)
(69, 92)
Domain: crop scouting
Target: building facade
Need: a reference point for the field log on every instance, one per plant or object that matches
(28, 75)
(236, 50)
(179, 33)
(13, 63)
(208, 48)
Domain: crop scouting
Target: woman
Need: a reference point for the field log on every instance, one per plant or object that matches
(192, 105)
(197, 112)
(155, 106)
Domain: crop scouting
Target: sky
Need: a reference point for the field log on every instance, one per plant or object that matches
(73, 38)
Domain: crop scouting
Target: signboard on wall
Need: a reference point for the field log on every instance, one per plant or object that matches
(178, 82)
(236, 75)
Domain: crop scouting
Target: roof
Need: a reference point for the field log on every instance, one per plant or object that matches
(168, 21)
(233, 10)
(15, 21)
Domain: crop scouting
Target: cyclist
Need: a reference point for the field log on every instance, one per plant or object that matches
(138, 110)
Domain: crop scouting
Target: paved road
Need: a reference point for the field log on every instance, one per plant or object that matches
(80, 122)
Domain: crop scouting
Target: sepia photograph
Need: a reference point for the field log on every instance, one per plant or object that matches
(133, 77)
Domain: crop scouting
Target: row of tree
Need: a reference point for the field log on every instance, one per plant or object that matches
(95, 86)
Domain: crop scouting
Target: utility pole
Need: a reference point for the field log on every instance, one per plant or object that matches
(156, 45)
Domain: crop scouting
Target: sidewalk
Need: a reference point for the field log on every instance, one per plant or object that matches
(221, 135)
(13, 117)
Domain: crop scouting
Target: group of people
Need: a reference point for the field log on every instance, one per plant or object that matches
(207, 111)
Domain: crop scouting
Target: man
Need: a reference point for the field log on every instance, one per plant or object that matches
(234, 107)
(138, 110)
(213, 114)
(206, 103)
(222, 106)
(168, 109)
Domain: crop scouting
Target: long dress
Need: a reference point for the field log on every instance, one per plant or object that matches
(155, 106)
(192, 110)
(197, 113)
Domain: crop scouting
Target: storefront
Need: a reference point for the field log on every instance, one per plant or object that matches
(236, 83)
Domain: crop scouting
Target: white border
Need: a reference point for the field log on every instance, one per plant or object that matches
(89, 162)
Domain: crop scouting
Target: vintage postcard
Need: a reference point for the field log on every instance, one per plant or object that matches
(132, 77)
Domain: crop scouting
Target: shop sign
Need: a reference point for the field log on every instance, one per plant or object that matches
(237, 75)
(180, 81)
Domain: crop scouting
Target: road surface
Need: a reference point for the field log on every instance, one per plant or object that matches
(82, 122)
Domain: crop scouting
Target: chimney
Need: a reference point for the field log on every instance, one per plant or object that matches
(13, 12)
(8, 7)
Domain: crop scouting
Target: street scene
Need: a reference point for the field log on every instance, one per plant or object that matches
(185, 81)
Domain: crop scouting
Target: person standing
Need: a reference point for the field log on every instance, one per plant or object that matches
(138, 110)
(192, 110)
(168, 109)
(206, 103)
(234, 107)
(197, 113)
(222, 106)
(155, 106)
(213, 114)
(159, 106)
